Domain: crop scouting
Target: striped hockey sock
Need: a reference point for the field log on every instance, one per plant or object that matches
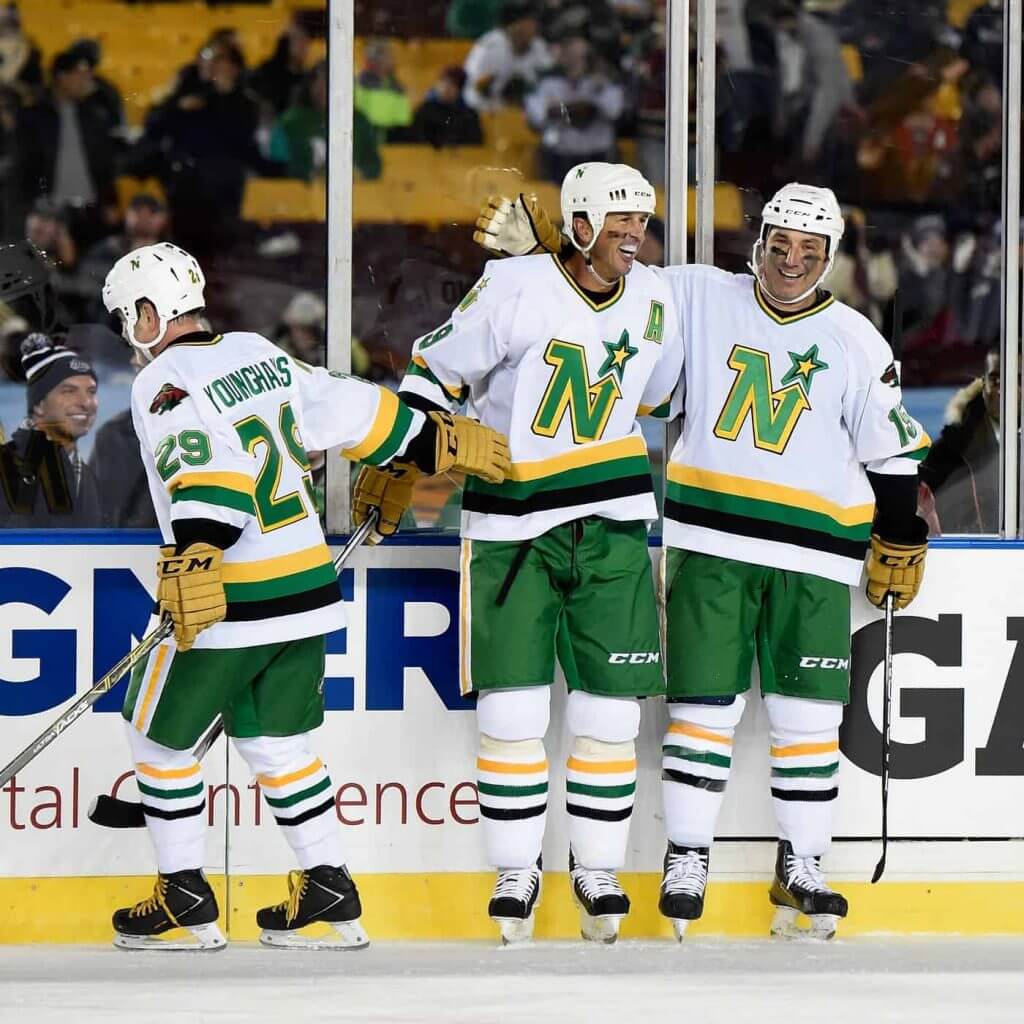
(600, 785)
(301, 798)
(695, 764)
(805, 785)
(512, 780)
(174, 800)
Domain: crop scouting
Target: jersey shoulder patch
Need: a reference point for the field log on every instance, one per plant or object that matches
(169, 397)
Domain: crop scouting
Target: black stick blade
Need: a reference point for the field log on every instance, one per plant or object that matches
(110, 812)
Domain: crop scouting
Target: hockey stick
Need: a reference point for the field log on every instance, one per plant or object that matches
(113, 812)
(86, 701)
(886, 749)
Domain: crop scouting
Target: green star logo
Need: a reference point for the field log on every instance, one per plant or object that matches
(619, 353)
(803, 368)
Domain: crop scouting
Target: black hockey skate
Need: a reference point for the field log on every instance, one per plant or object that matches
(799, 889)
(601, 900)
(516, 895)
(322, 912)
(682, 885)
(180, 915)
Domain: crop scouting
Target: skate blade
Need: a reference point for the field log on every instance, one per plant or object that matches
(790, 924)
(204, 938)
(679, 926)
(337, 935)
(603, 930)
(515, 931)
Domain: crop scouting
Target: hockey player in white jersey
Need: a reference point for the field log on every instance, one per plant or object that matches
(223, 422)
(796, 458)
(562, 353)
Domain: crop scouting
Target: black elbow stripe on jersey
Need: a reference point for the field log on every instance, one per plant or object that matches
(417, 401)
(895, 506)
(808, 795)
(764, 529)
(421, 451)
(204, 531)
(697, 781)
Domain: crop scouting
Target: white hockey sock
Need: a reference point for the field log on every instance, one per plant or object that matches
(173, 796)
(805, 770)
(300, 795)
(512, 779)
(600, 785)
(696, 757)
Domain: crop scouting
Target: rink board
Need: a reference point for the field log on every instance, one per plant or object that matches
(400, 744)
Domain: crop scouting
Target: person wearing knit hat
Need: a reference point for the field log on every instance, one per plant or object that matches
(45, 481)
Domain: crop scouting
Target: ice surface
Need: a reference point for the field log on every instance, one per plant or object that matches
(862, 980)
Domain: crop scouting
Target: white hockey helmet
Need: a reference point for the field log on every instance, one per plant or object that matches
(805, 208)
(167, 276)
(598, 189)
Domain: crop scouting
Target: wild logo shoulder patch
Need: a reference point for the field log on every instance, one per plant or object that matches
(890, 376)
(169, 397)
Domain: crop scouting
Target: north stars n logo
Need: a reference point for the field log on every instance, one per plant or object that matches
(589, 406)
(169, 397)
(774, 413)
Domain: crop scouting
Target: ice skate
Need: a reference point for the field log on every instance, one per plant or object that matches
(516, 896)
(601, 900)
(799, 889)
(682, 886)
(181, 915)
(322, 912)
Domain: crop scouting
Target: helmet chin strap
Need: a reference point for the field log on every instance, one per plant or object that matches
(756, 267)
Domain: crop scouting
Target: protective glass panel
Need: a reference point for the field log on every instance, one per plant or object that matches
(896, 106)
(125, 125)
(458, 101)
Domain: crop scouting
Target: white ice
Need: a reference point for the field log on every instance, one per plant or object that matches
(863, 980)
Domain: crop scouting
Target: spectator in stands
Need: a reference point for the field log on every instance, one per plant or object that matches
(145, 223)
(924, 276)
(9, 200)
(105, 93)
(201, 142)
(962, 468)
(21, 67)
(982, 44)
(303, 328)
(46, 227)
(864, 277)
(276, 80)
(470, 19)
(507, 62)
(68, 144)
(44, 482)
(981, 144)
(647, 65)
(379, 96)
(574, 109)
(444, 118)
(116, 464)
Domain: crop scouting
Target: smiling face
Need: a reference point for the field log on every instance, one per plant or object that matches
(792, 262)
(614, 252)
(68, 412)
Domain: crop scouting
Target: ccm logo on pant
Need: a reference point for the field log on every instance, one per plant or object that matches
(808, 662)
(635, 658)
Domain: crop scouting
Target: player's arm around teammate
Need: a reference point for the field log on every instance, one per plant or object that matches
(245, 575)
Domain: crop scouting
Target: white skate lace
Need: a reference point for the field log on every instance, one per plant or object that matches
(805, 873)
(595, 884)
(686, 873)
(516, 884)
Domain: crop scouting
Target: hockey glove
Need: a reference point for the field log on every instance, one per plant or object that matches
(387, 489)
(466, 446)
(190, 590)
(897, 568)
(516, 228)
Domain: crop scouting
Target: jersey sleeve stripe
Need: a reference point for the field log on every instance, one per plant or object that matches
(230, 481)
(221, 496)
(389, 430)
(418, 368)
(660, 411)
(920, 453)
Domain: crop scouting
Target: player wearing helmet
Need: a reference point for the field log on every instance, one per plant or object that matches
(562, 352)
(796, 457)
(223, 421)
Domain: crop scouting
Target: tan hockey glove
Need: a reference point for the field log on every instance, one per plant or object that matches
(190, 590)
(516, 227)
(898, 568)
(387, 489)
(466, 446)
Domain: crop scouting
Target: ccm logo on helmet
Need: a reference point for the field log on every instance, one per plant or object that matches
(634, 658)
(837, 663)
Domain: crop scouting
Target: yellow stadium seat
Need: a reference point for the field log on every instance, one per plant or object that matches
(853, 62)
(958, 11)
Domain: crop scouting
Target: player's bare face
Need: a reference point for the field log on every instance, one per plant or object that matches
(615, 249)
(68, 412)
(792, 262)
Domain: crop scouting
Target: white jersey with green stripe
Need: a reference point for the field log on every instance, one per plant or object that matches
(225, 423)
(565, 378)
(783, 415)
